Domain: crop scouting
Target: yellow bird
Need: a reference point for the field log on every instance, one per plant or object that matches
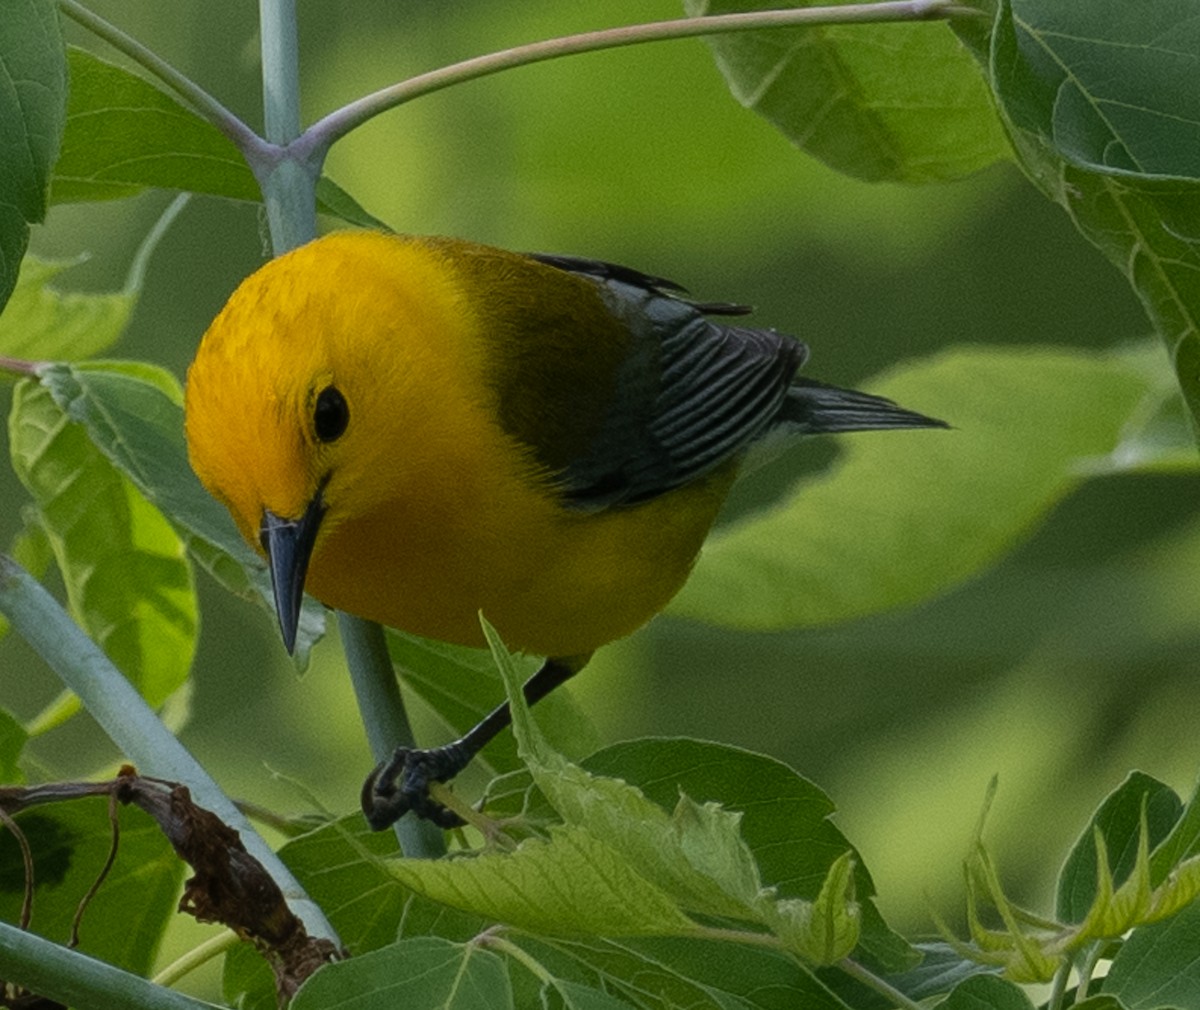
(417, 429)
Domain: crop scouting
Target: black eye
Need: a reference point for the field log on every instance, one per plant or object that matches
(330, 415)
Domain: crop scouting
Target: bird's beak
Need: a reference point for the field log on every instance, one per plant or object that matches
(289, 545)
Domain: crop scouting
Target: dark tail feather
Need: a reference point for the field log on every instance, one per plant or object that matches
(815, 408)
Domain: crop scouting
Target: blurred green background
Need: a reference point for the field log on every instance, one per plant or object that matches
(1063, 667)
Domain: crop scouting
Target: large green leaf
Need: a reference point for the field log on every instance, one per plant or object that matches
(133, 414)
(33, 97)
(125, 920)
(898, 102)
(1103, 112)
(127, 578)
(902, 516)
(124, 134)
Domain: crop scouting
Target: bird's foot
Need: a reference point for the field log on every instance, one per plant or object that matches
(402, 782)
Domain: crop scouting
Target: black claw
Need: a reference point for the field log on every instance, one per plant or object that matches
(402, 783)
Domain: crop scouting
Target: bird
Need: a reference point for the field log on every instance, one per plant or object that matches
(420, 429)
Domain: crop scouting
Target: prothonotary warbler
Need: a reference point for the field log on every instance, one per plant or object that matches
(417, 430)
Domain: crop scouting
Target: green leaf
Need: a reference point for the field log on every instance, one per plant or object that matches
(124, 135)
(785, 819)
(570, 884)
(1108, 85)
(127, 579)
(419, 974)
(1104, 119)
(897, 102)
(134, 420)
(125, 920)
(1118, 821)
(1157, 965)
(12, 742)
(41, 322)
(867, 535)
(986, 992)
(826, 930)
(668, 973)
(33, 97)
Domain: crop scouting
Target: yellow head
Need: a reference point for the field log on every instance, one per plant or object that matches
(324, 387)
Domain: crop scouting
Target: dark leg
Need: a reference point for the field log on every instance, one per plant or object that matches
(401, 783)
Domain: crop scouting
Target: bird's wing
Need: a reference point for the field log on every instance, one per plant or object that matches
(689, 394)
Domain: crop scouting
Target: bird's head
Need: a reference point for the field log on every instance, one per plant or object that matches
(300, 394)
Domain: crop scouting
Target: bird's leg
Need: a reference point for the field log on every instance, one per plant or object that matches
(402, 782)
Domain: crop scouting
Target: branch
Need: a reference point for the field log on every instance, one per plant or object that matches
(74, 979)
(252, 146)
(384, 718)
(130, 723)
(314, 144)
(289, 182)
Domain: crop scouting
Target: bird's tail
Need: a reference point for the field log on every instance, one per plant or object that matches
(815, 408)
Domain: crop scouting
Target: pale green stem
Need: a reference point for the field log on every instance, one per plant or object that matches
(1058, 986)
(131, 724)
(141, 259)
(873, 981)
(79, 981)
(248, 142)
(493, 941)
(289, 185)
(382, 709)
(183, 966)
(319, 137)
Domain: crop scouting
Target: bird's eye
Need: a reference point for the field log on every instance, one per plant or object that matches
(330, 415)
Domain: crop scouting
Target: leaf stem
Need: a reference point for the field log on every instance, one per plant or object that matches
(321, 135)
(214, 946)
(18, 366)
(873, 981)
(492, 940)
(130, 723)
(252, 146)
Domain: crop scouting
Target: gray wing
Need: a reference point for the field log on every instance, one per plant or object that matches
(690, 395)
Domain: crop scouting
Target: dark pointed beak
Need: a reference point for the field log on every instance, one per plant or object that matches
(289, 545)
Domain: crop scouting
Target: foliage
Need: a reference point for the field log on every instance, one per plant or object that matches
(656, 873)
